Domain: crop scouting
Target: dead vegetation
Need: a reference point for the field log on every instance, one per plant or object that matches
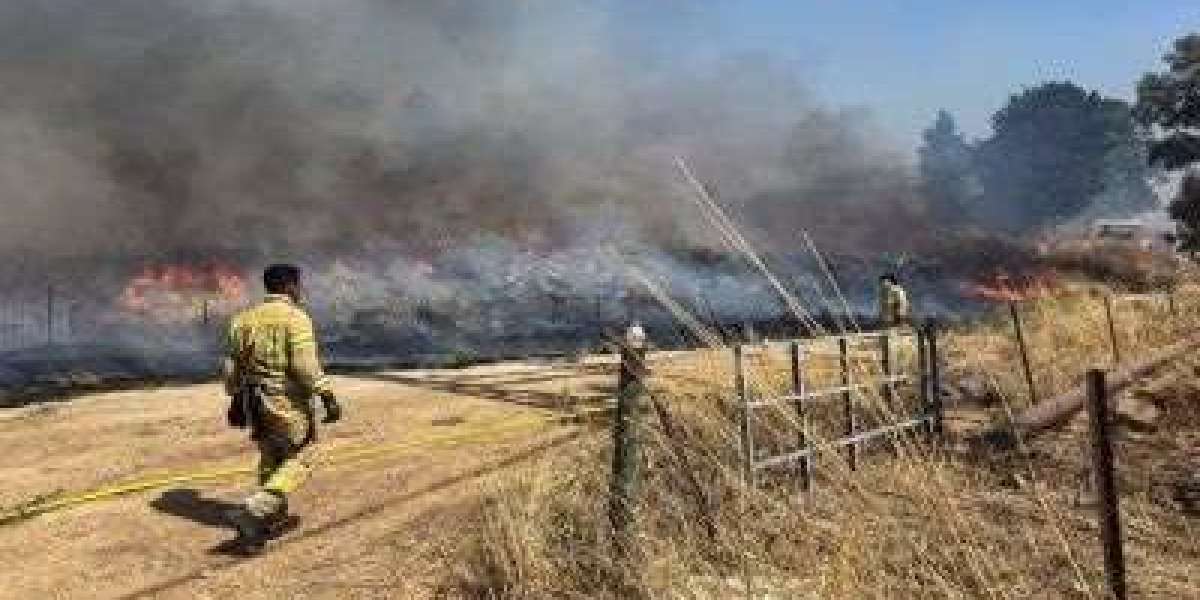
(1119, 264)
(928, 522)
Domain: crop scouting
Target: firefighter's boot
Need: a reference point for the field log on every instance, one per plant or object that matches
(280, 522)
(252, 532)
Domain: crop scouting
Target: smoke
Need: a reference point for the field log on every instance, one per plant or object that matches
(269, 127)
(451, 174)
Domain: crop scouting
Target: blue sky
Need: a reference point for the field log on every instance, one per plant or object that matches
(905, 60)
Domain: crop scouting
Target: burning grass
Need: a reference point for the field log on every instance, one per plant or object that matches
(178, 293)
(926, 522)
(1123, 266)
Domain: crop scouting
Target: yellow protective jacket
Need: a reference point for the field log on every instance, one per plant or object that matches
(273, 345)
(893, 305)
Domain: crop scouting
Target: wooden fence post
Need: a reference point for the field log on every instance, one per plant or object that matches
(848, 403)
(1112, 329)
(743, 398)
(1105, 480)
(627, 450)
(1024, 351)
(801, 414)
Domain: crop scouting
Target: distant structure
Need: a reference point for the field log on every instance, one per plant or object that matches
(1152, 232)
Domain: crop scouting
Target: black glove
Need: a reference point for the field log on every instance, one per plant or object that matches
(236, 414)
(333, 410)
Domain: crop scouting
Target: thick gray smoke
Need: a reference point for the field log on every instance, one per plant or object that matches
(427, 161)
(266, 127)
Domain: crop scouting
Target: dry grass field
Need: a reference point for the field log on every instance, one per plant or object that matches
(374, 525)
(915, 521)
(521, 513)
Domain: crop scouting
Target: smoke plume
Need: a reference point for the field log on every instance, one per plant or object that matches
(159, 128)
(451, 174)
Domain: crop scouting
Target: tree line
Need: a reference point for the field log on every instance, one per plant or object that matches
(1058, 152)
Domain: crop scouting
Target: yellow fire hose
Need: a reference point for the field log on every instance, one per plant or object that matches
(525, 423)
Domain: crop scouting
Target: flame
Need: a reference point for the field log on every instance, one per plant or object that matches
(181, 293)
(1001, 287)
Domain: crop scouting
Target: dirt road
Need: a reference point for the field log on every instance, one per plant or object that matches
(378, 526)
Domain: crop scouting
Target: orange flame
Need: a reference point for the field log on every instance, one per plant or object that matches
(179, 293)
(1001, 287)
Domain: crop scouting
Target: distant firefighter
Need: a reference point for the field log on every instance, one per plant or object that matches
(894, 309)
(272, 371)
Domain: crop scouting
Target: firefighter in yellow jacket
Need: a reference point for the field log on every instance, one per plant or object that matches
(894, 309)
(272, 372)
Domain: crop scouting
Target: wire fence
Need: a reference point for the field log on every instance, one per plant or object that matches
(38, 316)
(55, 316)
(26, 321)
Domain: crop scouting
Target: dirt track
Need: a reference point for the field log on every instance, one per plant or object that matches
(376, 528)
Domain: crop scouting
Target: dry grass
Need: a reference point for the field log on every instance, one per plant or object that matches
(1065, 335)
(928, 522)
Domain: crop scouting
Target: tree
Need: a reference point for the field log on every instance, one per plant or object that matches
(948, 180)
(1127, 190)
(1186, 210)
(1054, 149)
(1170, 104)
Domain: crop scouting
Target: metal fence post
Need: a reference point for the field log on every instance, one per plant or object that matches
(848, 403)
(1023, 348)
(887, 390)
(1112, 329)
(1104, 477)
(743, 397)
(923, 377)
(627, 451)
(935, 383)
(801, 414)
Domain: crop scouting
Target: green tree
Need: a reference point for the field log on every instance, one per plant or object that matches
(1169, 103)
(1055, 148)
(948, 180)
(1169, 106)
(1185, 209)
(1126, 182)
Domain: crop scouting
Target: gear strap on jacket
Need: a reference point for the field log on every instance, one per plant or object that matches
(246, 404)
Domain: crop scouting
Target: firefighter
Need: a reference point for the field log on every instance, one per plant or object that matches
(894, 310)
(272, 371)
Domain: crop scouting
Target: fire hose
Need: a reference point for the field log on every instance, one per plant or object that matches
(522, 424)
